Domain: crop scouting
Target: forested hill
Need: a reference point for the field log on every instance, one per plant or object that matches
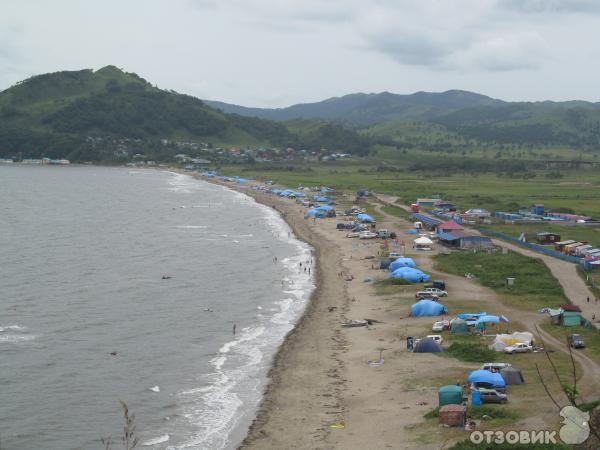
(81, 114)
(447, 119)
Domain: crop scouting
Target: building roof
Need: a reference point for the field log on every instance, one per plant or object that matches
(426, 219)
(573, 308)
(450, 225)
(447, 237)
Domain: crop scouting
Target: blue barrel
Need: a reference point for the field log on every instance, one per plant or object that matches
(475, 398)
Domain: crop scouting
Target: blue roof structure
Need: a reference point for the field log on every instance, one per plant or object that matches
(447, 236)
(426, 219)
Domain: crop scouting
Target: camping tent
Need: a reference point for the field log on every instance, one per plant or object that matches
(485, 376)
(427, 346)
(502, 341)
(459, 326)
(321, 199)
(423, 241)
(402, 262)
(409, 274)
(326, 208)
(412, 231)
(427, 308)
(450, 395)
(483, 321)
(365, 218)
(512, 375)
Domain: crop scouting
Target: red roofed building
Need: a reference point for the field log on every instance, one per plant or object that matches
(448, 227)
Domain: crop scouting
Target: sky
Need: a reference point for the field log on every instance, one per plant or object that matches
(274, 53)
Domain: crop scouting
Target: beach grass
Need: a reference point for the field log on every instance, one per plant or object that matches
(535, 287)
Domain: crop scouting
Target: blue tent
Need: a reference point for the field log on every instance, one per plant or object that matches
(402, 262)
(427, 308)
(365, 218)
(325, 208)
(321, 199)
(427, 346)
(412, 231)
(485, 376)
(316, 213)
(409, 274)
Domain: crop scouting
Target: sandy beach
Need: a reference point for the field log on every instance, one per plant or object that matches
(322, 391)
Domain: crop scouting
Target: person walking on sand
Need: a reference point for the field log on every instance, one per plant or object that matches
(234, 329)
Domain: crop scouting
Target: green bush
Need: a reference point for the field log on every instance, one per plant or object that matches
(471, 352)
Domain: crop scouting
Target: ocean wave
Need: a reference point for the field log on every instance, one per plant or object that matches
(12, 328)
(191, 227)
(155, 441)
(14, 338)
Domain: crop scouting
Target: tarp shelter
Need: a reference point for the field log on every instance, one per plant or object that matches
(483, 321)
(365, 218)
(427, 346)
(501, 341)
(423, 241)
(321, 199)
(451, 394)
(459, 326)
(485, 376)
(316, 213)
(402, 262)
(409, 274)
(427, 308)
(512, 375)
(326, 208)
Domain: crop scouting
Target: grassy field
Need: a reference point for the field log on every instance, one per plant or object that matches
(577, 190)
(534, 287)
(575, 232)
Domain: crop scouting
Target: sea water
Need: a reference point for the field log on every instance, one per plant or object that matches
(120, 284)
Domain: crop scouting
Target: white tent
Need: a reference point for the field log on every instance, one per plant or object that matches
(504, 340)
(423, 241)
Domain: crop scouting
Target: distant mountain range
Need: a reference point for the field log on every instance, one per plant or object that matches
(460, 116)
(91, 115)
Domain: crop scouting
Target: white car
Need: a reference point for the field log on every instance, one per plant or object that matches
(494, 367)
(440, 326)
(519, 347)
(438, 292)
(367, 235)
(436, 337)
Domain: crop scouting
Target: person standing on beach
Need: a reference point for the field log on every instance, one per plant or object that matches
(234, 329)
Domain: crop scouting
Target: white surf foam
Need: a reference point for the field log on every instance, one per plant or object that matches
(155, 441)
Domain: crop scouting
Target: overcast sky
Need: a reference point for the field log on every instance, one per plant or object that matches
(278, 52)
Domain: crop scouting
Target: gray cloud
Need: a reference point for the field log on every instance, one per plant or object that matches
(552, 6)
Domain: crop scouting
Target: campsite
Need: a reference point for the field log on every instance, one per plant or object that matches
(493, 302)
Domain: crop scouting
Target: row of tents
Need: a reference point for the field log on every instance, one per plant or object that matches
(405, 269)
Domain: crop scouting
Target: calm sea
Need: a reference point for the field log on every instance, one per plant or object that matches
(83, 253)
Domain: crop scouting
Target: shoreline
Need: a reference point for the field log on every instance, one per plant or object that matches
(287, 360)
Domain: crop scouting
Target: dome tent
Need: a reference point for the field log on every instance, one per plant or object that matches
(512, 375)
(459, 326)
(427, 346)
(402, 262)
(427, 308)
(409, 274)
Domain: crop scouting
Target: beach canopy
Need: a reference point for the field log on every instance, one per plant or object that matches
(402, 262)
(427, 346)
(485, 376)
(365, 218)
(512, 375)
(427, 308)
(423, 241)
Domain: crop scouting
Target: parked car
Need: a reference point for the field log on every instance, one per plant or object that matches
(394, 255)
(439, 284)
(441, 325)
(424, 295)
(492, 396)
(494, 367)
(383, 234)
(345, 225)
(519, 347)
(367, 235)
(576, 341)
(482, 385)
(436, 291)
(436, 337)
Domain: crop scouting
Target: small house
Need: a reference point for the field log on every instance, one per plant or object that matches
(546, 238)
(571, 315)
(560, 246)
(449, 227)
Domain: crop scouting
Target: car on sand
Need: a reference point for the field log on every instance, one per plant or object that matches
(518, 347)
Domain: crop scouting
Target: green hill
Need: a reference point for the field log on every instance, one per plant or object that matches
(86, 115)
